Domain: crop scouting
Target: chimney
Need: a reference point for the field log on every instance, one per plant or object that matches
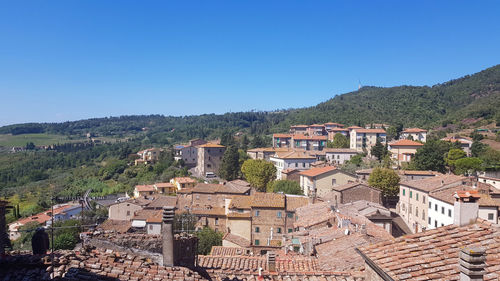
(466, 207)
(472, 264)
(271, 261)
(168, 236)
(363, 229)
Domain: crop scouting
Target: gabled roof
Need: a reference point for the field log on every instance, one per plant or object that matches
(433, 254)
(351, 185)
(432, 183)
(316, 125)
(282, 135)
(241, 202)
(370, 131)
(268, 200)
(299, 126)
(418, 173)
(406, 143)
(184, 180)
(236, 239)
(338, 130)
(414, 130)
(339, 150)
(160, 201)
(314, 172)
(293, 155)
(115, 226)
(313, 138)
(210, 145)
(295, 201)
(163, 185)
(145, 188)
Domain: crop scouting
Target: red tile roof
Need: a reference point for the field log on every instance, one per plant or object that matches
(223, 251)
(294, 155)
(433, 254)
(371, 131)
(314, 172)
(211, 145)
(314, 138)
(115, 226)
(184, 180)
(406, 143)
(145, 188)
(268, 200)
(236, 239)
(414, 130)
(282, 135)
(299, 126)
(432, 183)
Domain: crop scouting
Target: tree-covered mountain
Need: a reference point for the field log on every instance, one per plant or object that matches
(472, 96)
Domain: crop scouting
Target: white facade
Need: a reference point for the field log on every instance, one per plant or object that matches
(289, 163)
(493, 181)
(440, 213)
(307, 185)
(339, 157)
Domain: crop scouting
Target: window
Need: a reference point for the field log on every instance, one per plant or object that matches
(128, 213)
(423, 214)
(279, 230)
(289, 215)
(436, 207)
(303, 165)
(257, 242)
(490, 216)
(150, 227)
(257, 213)
(209, 158)
(416, 211)
(290, 230)
(430, 205)
(430, 221)
(334, 181)
(296, 165)
(411, 194)
(442, 224)
(240, 210)
(216, 221)
(257, 229)
(442, 210)
(423, 199)
(278, 214)
(449, 213)
(416, 195)
(404, 191)
(435, 223)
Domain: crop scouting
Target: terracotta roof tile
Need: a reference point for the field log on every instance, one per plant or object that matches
(406, 143)
(282, 136)
(115, 226)
(268, 200)
(314, 172)
(241, 202)
(293, 155)
(434, 253)
(370, 131)
(211, 145)
(432, 183)
(295, 201)
(236, 239)
(414, 130)
(222, 251)
(314, 138)
(145, 188)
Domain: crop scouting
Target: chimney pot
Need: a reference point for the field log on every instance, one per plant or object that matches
(472, 264)
(168, 236)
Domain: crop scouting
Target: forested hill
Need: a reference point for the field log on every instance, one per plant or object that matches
(476, 95)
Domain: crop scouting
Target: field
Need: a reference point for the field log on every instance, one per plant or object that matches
(37, 139)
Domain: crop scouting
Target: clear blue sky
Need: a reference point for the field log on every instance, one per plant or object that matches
(70, 60)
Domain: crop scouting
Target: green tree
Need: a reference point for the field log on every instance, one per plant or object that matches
(207, 238)
(378, 150)
(392, 133)
(468, 166)
(227, 138)
(386, 180)
(257, 141)
(30, 146)
(356, 160)
(65, 241)
(244, 143)
(339, 141)
(452, 156)
(258, 173)
(230, 167)
(478, 148)
(285, 186)
(431, 156)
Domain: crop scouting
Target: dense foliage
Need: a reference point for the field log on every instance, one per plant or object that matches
(285, 186)
(258, 173)
(207, 238)
(386, 180)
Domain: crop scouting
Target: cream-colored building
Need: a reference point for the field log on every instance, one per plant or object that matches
(414, 198)
(126, 210)
(415, 134)
(402, 151)
(363, 139)
(291, 160)
(318, 182)
(209, 158)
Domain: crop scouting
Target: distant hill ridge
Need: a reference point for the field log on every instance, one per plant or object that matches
(471, 96)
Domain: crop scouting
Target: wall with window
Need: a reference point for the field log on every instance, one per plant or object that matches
(412, 207)
(488, 213)
(265, 220)
(440, 213)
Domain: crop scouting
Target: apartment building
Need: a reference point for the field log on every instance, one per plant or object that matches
(291, 160)
(415, 134)
(414, 198)
(334, 131)
(364, 139)
(148, 156)
(332, 125)
(316, 130)
(298, 129)
(315, 142)
(265, 153)
(465, 144)
(282, 141)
